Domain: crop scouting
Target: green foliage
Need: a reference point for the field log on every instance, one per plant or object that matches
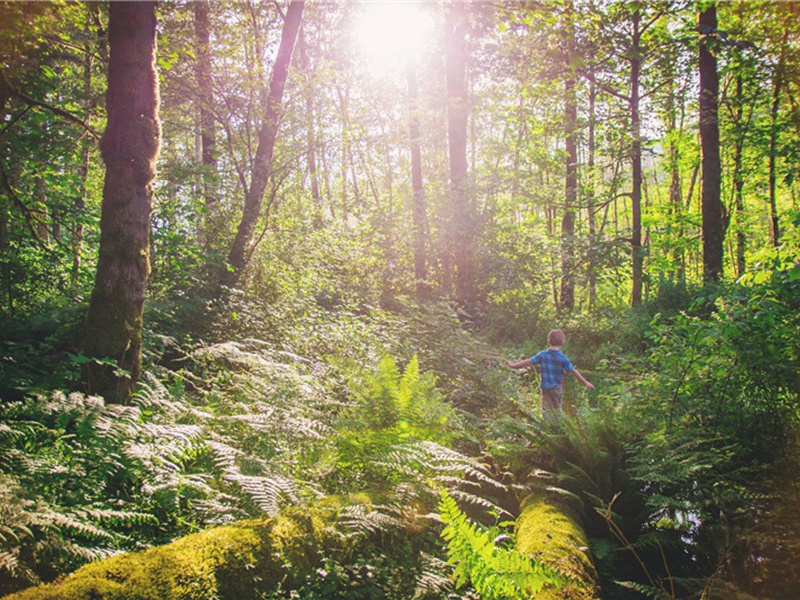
(69, 477)
(496, 572)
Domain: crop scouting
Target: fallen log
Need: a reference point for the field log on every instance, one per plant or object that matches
(235, 562)
(548, 534)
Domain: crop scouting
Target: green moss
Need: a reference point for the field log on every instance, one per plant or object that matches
(237, 562)
(551, 536)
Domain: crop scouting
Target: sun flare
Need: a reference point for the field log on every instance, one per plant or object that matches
(388, 33)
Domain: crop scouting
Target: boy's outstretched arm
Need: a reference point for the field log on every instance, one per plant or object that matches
(581, 378)
(518, 364)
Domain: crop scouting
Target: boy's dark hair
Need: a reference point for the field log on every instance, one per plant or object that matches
(556, 338)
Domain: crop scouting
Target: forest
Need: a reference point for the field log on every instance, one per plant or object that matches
(264, 267)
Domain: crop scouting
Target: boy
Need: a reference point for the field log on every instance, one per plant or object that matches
(554, 365)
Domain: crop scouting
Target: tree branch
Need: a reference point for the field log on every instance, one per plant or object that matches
(30, 101)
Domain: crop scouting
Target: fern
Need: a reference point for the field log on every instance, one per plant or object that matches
(433, 579)
(495, 572)
(269, 493)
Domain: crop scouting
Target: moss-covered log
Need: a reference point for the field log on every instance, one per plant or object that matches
(236, 562)
(548, 534)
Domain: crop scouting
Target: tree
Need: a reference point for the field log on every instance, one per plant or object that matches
(461, 228)
(631, 46)
(711, 202)
(238, 256)
(208, 136)
(419, 209)
(777, 85)
(129, 148)
(571, 167)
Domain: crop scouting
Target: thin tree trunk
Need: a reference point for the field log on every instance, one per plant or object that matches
(39, 214)
(637, 253)
(344, 97)
(419, 211)
(590, 194)
(208, 137)
(571, 174)
(712, 210)
(129, 147)
(773, 142)
(570, 197)
(462, 224)
(738, 180)
(262, 163)
(311, 142)
(675, 197)
(86, 149)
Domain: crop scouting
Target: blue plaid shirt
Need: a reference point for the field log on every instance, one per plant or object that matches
(555, 365)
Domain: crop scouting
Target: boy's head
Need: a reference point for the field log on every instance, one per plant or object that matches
(556, 338)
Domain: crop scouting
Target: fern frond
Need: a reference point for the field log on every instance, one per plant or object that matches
(358, 519)
(153, 396)
(645, 590)
(433, 578)
(495, 572)
(269, 493)
(77, 524)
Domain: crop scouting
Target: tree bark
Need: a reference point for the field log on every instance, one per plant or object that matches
(590, 194)
(79, 206)
(129, 148)
(570, 196)
(208, 137)
(712, 211)
(738, 179)
(419, 212)
(675, 194)
(773, 141)
(461, 238)
(311, 141)
(238, 255)
(636, 165)
(567, 302)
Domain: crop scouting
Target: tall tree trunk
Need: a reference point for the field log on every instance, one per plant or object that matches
(637, 254)
(262, 163)
(738, 179)
(39, 214)
(570, 197)
(462, 223)
(773, 141)
(208, 135)
(344, 103)
(76, 234)
(590, 192)
(311, 141)
(129, 147)
(675, 194)
(571, 171)
(419, 210)
(712, 211)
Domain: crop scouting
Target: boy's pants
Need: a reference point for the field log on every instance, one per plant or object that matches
(551, 400)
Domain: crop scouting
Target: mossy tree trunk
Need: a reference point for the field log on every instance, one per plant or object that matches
(553, 538)
(129, 148)
(244, 561)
